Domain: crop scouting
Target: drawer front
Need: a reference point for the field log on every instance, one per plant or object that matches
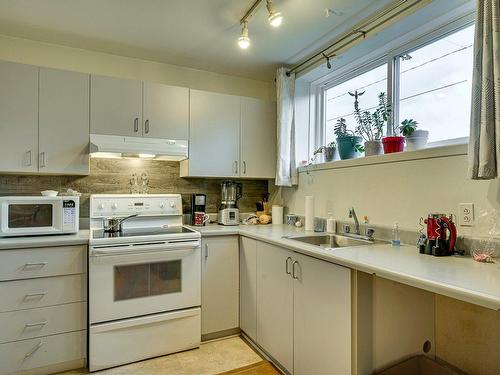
(44, 321)
(45, 351)
(34, 293)
(42, 262)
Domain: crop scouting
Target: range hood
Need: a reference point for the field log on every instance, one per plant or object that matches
(116, 146)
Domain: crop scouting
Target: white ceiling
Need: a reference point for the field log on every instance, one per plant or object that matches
(200, 34)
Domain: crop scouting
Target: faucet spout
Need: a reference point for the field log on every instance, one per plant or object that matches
(352, 215)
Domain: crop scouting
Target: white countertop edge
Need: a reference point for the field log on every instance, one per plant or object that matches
(80, 238)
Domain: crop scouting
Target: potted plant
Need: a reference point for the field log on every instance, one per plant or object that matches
(370, 125)
(394, 142)
(415, 139)
(348, 143)
(328, 152)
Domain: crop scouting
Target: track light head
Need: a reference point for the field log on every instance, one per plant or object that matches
(275, 17)
(244, 39)
(328, 64)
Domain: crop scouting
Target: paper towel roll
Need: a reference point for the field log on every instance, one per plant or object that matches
(277, 213)
(309, 214)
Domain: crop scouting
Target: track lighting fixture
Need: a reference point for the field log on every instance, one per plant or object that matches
(244, 40)
(328, 64)
(275, 17)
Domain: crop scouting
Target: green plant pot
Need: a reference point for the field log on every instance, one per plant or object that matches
(329, 153)
(346, 146)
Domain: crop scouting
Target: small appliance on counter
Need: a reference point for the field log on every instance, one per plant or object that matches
(438, 243)
(198, 209)
(39, 215)
(229, 214)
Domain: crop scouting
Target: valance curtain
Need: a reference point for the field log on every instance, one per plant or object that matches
(484, 142)
(286, 168)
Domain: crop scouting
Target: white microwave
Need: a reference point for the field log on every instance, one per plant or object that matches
(30, 216)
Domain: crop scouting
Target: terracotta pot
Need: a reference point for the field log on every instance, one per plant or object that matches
(393, 144)
(373, 148)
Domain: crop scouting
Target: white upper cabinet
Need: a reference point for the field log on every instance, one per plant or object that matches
(258, 138)
(18, 117)
(166, 111)
(214, 135)
(115, 106)
(63, 122)
(230, 136)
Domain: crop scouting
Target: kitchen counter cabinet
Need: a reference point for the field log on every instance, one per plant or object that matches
(220, 287)
(248, 287)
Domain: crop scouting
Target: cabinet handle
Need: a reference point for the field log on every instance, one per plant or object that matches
(33, 351)
(32, 295)
(206, 251)
(28, 159)
(39, 324)
(43, 159)
(294, 275)
(286, 266)
(244, 167)
(38, 264)
(146, 127)
(136, 124)
(236, 167)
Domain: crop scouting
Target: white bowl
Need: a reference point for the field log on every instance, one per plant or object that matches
(50, 193)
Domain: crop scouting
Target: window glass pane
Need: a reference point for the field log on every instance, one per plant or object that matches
(340, 104)
(131, 281)
(435, 86)
(166, 277)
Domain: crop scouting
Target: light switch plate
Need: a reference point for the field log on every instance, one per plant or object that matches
(466, 214)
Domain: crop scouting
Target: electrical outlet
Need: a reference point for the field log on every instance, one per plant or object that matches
(466, 214)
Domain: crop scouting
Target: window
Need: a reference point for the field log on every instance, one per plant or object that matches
(339, 99)
(435, 85)
(430, 82)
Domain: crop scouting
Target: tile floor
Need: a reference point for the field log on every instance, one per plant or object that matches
(211, 358)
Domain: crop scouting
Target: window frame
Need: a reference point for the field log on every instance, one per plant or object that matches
(371, 61)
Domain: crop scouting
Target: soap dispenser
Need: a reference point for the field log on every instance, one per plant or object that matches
(396, 241)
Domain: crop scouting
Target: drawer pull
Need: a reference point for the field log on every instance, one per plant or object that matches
(33, 351)
(32, 325)
(34, 295)
(33, 265)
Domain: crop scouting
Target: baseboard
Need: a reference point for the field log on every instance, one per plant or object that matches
(220, 334)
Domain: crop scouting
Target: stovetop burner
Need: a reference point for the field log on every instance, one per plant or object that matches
(140, 232)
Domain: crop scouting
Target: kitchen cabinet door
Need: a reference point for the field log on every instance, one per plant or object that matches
(322, 317)
(214, 133)
(258, 138)
(115, 106)
(248, 287)
(18, 117)
(63, 122)
(220, 284)
(275, 303)
(166, 111)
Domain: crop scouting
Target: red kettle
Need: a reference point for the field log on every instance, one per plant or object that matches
(438, 242)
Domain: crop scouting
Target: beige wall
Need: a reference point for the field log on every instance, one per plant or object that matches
(60, 57)
(402, 191)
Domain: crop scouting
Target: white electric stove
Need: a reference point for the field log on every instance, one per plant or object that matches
(144, 281)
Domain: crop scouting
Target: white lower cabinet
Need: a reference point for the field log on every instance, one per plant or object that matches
(220, 289)
(303, 309)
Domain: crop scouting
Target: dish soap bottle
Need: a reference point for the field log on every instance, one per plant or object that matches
(330, 224)
(395, 235)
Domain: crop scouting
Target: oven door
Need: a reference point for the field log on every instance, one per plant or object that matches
(129, 280)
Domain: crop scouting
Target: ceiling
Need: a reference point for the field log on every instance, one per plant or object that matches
(200, 34)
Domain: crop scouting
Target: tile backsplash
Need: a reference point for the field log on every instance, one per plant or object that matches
(124, 176)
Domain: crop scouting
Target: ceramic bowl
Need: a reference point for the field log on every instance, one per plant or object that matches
(50, 193)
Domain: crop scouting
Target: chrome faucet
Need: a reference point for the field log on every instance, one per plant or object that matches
(352, 215)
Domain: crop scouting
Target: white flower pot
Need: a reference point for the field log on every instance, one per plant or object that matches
(417, 140)
(373, 148)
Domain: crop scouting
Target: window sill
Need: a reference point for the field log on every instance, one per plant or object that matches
(426, 153)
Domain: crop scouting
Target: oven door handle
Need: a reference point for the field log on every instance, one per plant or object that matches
(174, 248)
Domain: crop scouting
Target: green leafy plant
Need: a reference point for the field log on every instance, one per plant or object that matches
(340, 129)
(408, 126)
(371, 125)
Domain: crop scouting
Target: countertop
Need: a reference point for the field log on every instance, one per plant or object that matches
(80, 238)
(457, 277)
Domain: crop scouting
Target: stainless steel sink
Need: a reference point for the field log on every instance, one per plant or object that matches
(333, 240)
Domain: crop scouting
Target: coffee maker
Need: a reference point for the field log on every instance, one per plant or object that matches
(438, 242)
(229, 214)
(198, 204)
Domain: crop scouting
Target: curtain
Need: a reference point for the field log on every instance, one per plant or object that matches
(484, 142)
(286, 168)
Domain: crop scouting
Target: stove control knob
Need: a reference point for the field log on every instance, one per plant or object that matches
(114, 206)
(162, 205)
(101, 206)
(172, 204)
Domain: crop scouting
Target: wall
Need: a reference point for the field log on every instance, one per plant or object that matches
(113, 176)
(60, 57)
